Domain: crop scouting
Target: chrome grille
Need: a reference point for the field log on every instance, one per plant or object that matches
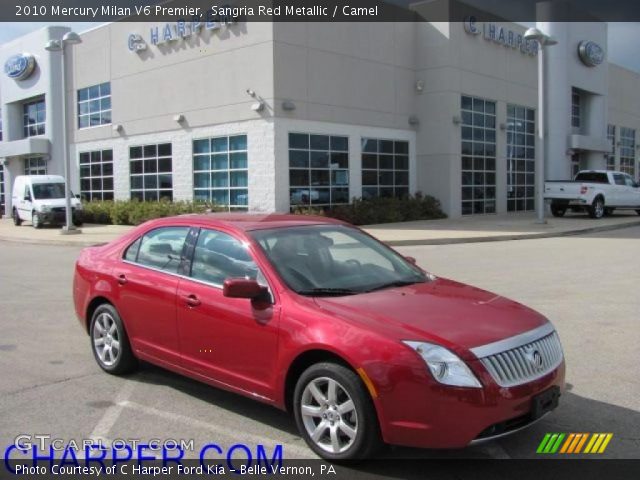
(526, 362)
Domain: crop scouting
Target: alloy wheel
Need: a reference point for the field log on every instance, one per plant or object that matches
(106, 339)
(329, 415)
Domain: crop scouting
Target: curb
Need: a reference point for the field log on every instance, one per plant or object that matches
(392, 243)
(504, 238)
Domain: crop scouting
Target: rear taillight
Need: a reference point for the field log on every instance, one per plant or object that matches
(583, 189)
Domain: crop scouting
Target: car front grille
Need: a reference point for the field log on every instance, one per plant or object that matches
(61, 209)
(526, 362)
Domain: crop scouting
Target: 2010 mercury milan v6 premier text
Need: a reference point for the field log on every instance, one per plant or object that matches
(319, 318)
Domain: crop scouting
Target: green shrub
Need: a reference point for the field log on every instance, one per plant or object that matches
(381, 210)
(126, 212)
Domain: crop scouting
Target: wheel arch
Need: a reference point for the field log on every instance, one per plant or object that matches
(303, 361)
(91, 308)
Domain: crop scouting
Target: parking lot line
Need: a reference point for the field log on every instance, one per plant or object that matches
(289, 448)
(108, 420)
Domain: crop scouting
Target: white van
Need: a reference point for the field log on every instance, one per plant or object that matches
(39, 199)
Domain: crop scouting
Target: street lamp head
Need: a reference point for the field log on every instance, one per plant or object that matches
(533, 34)
(53, 46)
(544, 40)
(71, 38)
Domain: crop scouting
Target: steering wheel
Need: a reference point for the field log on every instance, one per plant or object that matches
(353, 262)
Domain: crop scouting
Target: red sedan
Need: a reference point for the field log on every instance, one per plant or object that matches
(317, 317)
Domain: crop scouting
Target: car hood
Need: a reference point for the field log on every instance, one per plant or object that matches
(450, 313)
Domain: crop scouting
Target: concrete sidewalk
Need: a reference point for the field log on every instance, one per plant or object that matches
(489, 228)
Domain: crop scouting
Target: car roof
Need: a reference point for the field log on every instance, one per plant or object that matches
(249, 221)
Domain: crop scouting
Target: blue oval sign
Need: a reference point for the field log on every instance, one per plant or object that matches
(20, 67)
(590, 53)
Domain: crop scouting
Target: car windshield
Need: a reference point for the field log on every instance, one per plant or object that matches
(323, 260)
(46, 191)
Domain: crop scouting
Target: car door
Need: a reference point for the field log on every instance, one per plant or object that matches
(147, 279)
(619, 190)
(25, 204)
(227, 340)
(632, 193)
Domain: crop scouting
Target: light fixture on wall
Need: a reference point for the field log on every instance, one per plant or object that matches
(503, 126)
(179, 118)
(414, 120)
(288, 105)
(456, 120)
(251, 93)
(117, 128)
(419, 86)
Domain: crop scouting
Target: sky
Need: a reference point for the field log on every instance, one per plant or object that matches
(623, 38)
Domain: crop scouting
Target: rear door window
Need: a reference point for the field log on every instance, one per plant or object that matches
(161, 249)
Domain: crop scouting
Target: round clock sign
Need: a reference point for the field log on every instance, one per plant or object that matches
(590, 53)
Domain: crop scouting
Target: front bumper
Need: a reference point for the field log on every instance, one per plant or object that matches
(58, 216)
(421, 413)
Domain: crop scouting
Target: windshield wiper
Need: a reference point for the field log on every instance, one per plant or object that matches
(325, 292)
(396, 283)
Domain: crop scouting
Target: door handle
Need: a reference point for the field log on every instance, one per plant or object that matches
(122, 279)
(191, 300)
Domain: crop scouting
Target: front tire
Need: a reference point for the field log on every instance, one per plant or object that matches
(597, 208)
(109, 341)
(334, 413)
(35, 220)
(16, 218)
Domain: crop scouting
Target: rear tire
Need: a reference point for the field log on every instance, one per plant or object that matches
(596, 210)
(109, 341)
(35, 220)
(335, 414)
(558, 211)
(16, 218)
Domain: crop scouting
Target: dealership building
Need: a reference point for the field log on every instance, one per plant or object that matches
(265, 116)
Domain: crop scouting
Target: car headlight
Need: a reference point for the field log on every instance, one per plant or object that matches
(445, 366)
(45, 208)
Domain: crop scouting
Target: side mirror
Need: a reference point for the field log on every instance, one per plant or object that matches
(411, 260)
(243, 288)
(27, 198)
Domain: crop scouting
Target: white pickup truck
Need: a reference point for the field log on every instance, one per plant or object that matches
(599, 192)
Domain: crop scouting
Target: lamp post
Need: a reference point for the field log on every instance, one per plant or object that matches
(69, 38)
(543, 41)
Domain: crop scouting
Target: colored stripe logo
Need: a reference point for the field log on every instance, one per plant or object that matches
(574, 443)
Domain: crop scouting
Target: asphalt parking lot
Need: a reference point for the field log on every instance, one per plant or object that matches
(588, 286)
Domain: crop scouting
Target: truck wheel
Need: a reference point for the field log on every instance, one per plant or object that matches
(35, 220)
(558, 211)
(16, 218)
(597, 208)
